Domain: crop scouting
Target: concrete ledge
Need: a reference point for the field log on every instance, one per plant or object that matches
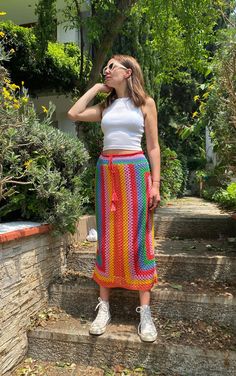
(23, 233)
(172, 267)
(85, 223)
(79, 299)
(69, 341)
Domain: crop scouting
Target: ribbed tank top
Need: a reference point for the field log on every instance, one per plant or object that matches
(122, 125)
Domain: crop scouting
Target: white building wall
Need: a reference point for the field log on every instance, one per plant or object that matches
(19, 11)
(64, 34)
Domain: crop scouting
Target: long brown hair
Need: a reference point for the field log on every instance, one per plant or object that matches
(135, 82)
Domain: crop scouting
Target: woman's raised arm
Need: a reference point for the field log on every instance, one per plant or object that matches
(80, 112)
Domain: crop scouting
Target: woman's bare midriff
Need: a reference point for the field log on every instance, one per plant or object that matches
(119, 151)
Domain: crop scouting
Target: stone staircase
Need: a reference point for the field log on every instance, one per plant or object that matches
(194, 304)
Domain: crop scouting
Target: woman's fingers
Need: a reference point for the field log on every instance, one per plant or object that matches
(153, 202)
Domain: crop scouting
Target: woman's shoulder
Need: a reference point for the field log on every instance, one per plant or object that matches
(149, 102)
(149, 105)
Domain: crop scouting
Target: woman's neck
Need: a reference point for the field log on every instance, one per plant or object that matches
(122, 92)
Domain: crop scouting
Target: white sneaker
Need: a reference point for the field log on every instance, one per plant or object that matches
(103, 318)
(146, 329)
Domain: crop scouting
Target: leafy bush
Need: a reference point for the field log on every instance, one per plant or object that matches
(88, 188)
(226, 197)
(217, 187)
(172, 174)
(208, 193)
(57, 69)
(217, 110)
(40, 166)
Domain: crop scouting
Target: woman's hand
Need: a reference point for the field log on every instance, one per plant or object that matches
(155, 197)
(103, 88)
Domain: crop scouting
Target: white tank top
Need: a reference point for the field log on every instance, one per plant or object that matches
(122, 125)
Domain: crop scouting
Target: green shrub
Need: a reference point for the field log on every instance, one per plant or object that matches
(217, 108)
(52, 163)
(88, 188)
(172, 174)
(208, 193)
(41, 167)
(212, 180)
(226, 197)
(58, 69)
(185, 172)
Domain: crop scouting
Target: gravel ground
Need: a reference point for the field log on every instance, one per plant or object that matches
(31, 367)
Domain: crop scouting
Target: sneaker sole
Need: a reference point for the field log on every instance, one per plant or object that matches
(148, 339)
(98, 333)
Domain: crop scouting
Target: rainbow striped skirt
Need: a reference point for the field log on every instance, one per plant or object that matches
(125, 252)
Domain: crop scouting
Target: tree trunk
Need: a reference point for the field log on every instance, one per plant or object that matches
(101, 51)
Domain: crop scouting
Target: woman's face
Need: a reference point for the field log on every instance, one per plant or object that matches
(115, 73)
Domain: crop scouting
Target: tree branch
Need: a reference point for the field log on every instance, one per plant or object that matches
(101, 51)
(81, 31)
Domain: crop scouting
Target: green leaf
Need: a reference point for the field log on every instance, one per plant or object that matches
(177, 287)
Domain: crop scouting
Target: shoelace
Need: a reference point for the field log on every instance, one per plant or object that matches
(98, 305)
(146, 318)
(103, 309)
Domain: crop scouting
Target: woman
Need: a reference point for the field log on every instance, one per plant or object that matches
(126, 191)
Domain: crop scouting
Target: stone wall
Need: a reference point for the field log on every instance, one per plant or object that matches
(29, 260)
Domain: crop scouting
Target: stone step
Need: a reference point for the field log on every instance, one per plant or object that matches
(182, 348)
(194, 228)
(77, 295)
(193, 218)
(186, 260)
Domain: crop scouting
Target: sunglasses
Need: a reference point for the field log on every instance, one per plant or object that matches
(112, 66)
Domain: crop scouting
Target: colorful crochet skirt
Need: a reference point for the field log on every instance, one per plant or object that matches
(125, 252)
